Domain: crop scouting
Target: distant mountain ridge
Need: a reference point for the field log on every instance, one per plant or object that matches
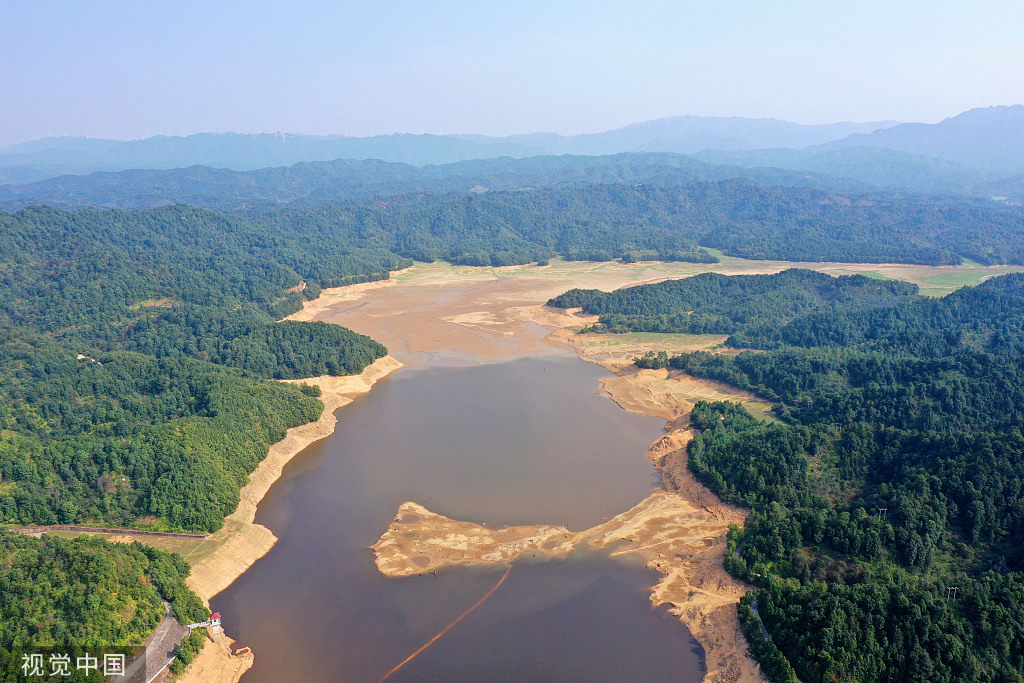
(979, 152)
(987, 139)
(321, 182)
(52, 157)
(688, 134)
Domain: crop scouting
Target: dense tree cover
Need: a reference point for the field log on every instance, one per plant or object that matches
(898, 471)
(86, 591)
(95, 276)
(949, 364)
(790, 224)
(284, 350)
(122, 438)
(502, 228)
(738, 216)
(342, 180)
(751, 305)
(69, 594)
(131, 355)
(366, 237)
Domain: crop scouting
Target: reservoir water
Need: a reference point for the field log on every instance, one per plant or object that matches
(522, 442)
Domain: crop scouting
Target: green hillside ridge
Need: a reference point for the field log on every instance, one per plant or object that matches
(898, 471)
(135, 353)
(711, 303)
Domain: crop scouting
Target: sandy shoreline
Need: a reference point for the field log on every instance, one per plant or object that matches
(240, 542)
(458, 314)
(437, 314)
(679, 530)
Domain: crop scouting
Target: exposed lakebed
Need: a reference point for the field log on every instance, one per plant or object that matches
(526, 441)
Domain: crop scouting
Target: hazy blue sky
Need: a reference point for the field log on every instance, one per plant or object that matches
(141, 67)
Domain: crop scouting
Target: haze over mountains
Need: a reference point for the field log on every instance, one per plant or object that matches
(51, 157)
(980, 144)
(688, 134)
(320, 182)
(986, 139)
(978, 152)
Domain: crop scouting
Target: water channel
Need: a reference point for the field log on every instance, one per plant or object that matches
(526, 441)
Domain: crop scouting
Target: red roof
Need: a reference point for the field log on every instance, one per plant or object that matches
(215, 615)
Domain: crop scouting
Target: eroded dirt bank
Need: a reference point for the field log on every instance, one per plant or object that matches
(433, 314)
(442, 315)
(680, 533)
(240, 542)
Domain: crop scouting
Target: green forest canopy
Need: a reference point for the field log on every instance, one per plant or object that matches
(85, 595)
(134, 354)
(898, 471)
(649, 222)
(136, 346)
(711, 303)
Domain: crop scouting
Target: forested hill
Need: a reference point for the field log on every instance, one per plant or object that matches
(645, 221)
(898, 473)
(739, 217)
(712, 303)
(135, 349)
(79, 273)
(342, 180)
(86, 593)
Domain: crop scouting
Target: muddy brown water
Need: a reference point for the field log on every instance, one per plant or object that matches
(521, 442)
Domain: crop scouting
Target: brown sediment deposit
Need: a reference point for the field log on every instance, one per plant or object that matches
(439, 312)
(680, 533)
(419, 541)
(669, 394)
(217, 662)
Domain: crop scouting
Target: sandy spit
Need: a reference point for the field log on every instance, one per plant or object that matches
(679, 530)
(681, 536)
(240, 542)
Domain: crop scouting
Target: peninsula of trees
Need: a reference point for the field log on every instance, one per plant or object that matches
(895, 476)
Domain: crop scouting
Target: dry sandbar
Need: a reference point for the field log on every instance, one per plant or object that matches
(680, 537)
(479, 313)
